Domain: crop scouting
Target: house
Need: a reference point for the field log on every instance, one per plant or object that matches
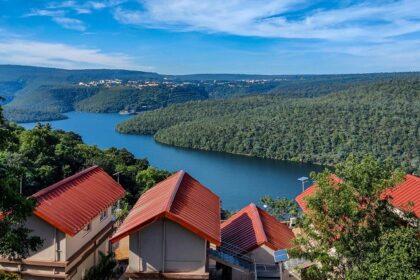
(255, 234)
(405, 196)
(170, 228)
(73, 217)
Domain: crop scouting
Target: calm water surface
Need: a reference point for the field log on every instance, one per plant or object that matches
(238, 180)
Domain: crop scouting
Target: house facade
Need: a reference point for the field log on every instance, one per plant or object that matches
(254, 233)
(170, 228)
(74, 219)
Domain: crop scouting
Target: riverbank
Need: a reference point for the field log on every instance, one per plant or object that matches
(238, 179)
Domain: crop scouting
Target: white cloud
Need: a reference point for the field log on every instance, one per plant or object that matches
(28, 52)
(44, 13)
(59, 17)
(265, 18)
(59, 11)
(85, 7)
(70, 23)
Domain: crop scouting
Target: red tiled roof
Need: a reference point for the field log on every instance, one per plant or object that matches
(252, 227)
(406, 196)
(402, 195)
(311, 190)
(72, 203)
(179, 198)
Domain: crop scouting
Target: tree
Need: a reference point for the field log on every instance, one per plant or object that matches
(15, 239)
(104, 269)
(281, 208)
(9, 276)
(398, 257)
(151, 176)
(348, 227)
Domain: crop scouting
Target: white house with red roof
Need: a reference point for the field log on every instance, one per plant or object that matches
(73, 217)
(170, 228)
(255, 234)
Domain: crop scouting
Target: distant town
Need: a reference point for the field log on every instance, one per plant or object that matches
(139, 84)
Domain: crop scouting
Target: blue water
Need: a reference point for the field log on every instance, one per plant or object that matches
(238, 180)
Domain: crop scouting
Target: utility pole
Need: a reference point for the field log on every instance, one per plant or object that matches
(303, 180)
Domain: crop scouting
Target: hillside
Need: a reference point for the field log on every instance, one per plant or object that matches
(37, 93)
(380, 118)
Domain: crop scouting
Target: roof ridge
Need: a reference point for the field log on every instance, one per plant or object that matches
(174, 192)
(64, 181)
(258, 220)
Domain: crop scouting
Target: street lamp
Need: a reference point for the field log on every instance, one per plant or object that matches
(303, 180)
(118, 181)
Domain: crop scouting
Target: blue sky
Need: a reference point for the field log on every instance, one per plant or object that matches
(213, 36)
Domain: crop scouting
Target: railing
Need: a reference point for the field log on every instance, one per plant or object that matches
(234, 255)
(234, 260)
(234, 251)
(262, 267)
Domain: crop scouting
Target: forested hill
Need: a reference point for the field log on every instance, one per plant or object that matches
(379, 118)
(37, 93)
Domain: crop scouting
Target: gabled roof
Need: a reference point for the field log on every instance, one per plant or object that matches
(179, 198)
(406, 196)
(70, 204)
(402, 195)
(252, 227)
(311, 190)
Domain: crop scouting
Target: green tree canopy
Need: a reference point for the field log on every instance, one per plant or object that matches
(281, 208)
(37, 158)
(15, 239)
(348, 227)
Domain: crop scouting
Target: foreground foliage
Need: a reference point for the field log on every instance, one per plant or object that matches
(380, 118)
(104, 269)
(15, 239)
(351, 233)
(281, 208)
(9, 276)
(37, 158)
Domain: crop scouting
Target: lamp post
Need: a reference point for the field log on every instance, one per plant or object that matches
(118, 181)
(303, 180)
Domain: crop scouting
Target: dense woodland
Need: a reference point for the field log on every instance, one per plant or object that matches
(124, 98)
(34, 159)
(42, 156)
(39, 94)
(379, 118)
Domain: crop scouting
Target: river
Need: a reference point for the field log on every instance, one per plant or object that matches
(238, 180)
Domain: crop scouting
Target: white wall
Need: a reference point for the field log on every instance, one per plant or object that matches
(73, 244)
(49, 235)
(263, 254)
(166, 246)
(185, 251)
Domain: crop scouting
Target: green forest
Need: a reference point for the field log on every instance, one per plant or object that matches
(113, 100)
(43, 94)
(42, 156)
(31, 160)
(380, 118)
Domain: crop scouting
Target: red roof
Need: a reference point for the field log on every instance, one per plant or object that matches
(309, 191)
(402, 195)
(252, 227)
(406, 196)
(69, 205)
(179, 198)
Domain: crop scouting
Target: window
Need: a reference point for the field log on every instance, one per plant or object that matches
(104, 215)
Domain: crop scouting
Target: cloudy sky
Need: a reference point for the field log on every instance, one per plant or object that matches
(213, 36)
